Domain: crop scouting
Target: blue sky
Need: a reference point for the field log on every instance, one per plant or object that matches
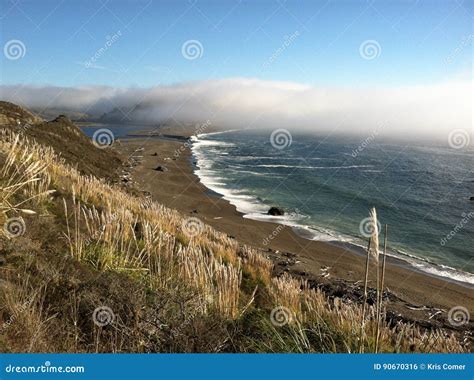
(310, 42)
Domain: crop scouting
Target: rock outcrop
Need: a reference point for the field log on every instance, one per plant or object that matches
(276, 211)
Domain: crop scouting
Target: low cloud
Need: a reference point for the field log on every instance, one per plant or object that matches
(428, 111)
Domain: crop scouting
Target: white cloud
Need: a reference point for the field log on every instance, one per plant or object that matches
(410, 111)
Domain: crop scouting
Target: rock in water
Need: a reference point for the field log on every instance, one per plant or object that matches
(471, 199)
(276, 211)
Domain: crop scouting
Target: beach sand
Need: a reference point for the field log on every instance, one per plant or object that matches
(411, 295)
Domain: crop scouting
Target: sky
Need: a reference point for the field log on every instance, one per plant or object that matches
(294, 62)
(310, 42)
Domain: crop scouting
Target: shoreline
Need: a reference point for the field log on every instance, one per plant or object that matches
(414, 294)
(394, 257)
(251, 208)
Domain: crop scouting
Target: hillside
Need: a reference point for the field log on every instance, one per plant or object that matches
(86, 266)
(13, 115)
(64, 137)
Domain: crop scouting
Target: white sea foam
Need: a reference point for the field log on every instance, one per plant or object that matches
(313, 167)
(427, 266)
(244, 203)
(202, 135)
(259, 174)
(445, 271)
(243, 158)
(208, 143)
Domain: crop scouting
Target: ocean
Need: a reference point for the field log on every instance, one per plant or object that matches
(326, 187)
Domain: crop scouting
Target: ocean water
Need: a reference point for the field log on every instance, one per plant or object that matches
(327, 186)
(119, 131)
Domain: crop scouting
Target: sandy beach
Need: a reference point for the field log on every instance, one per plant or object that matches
(337, 269)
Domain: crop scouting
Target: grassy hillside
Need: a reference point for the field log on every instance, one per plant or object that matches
(87, 267)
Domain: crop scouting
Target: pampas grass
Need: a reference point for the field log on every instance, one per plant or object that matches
(112, 230)
(372, 250)
(286, 292)
(380, 292)
(374, 237)
(257, 265)
(22, 174)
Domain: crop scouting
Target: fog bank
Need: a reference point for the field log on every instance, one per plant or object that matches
(411, 111)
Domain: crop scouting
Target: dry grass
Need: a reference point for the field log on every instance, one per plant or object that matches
(259, 267)
(23, 175)
(27, 318)
(110, 230)
(334, 326)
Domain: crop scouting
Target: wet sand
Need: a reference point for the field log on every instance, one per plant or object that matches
(411, 294)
